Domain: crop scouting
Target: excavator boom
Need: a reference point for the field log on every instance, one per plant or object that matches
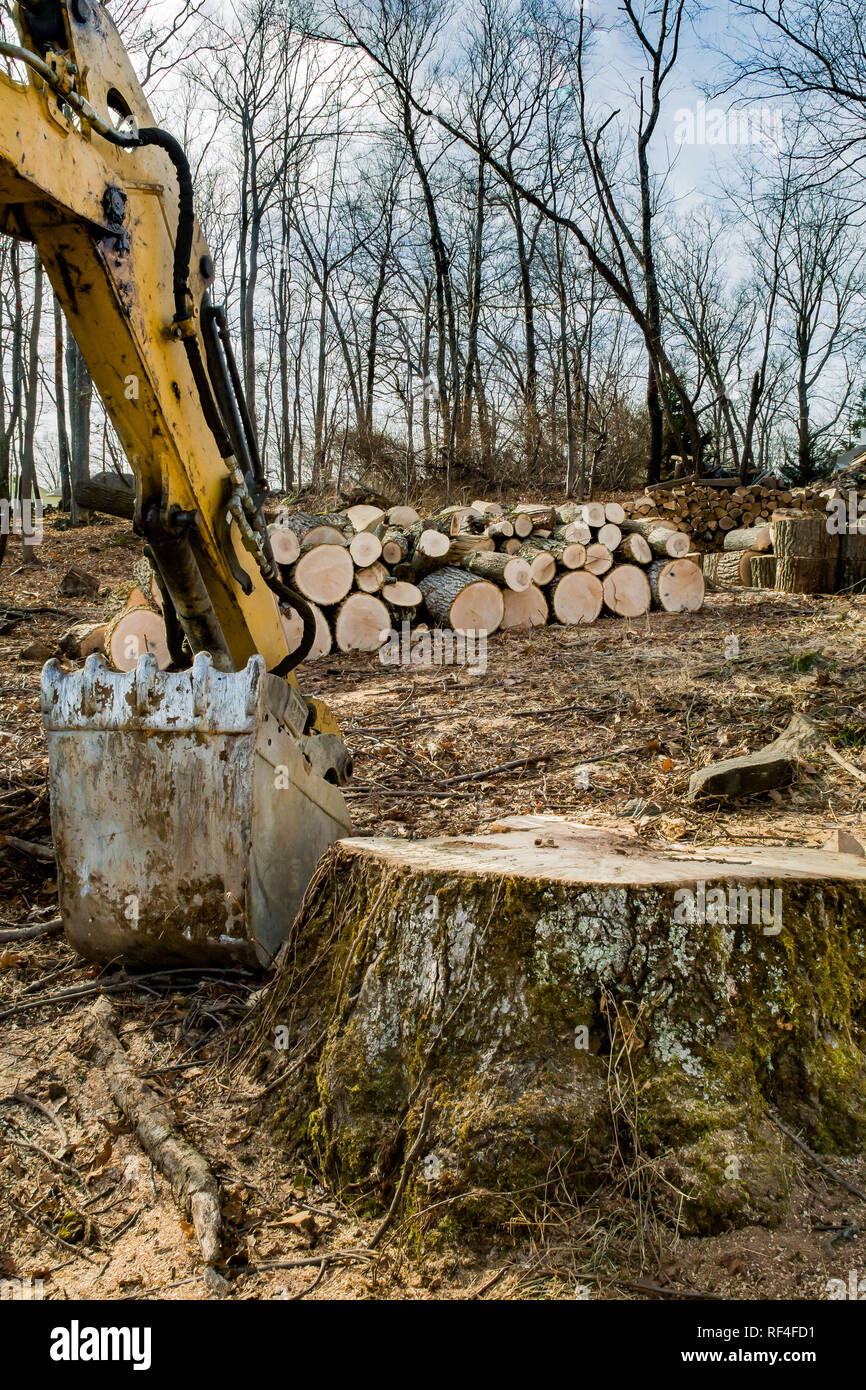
(145, 824)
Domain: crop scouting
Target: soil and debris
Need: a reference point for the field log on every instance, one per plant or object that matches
(603, 725)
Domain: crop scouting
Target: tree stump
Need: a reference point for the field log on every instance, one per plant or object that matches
(807, 555)
(508, 987)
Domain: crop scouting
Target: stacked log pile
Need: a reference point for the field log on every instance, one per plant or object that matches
(481, 567)
(366, 572)
(796, 554)
(708, 511)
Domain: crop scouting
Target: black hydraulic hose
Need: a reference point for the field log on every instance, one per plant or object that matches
(219, 317)
(223, 390)
(152, 135)
(292, 599)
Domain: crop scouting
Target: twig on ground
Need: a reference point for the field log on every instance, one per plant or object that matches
(819, 1162)
(52, 928)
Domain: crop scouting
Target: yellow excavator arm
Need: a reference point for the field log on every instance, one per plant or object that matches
(189, 808)
(107, 199)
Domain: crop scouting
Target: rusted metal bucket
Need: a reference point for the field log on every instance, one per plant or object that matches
(188, 809)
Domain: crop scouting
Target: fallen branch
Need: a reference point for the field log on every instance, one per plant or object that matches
(52, 928)
(45, 853)
(819, 1162)
(111, 987)
(194, 1186)
(843, 762)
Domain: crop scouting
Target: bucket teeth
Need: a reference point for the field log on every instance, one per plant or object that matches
(203, 698)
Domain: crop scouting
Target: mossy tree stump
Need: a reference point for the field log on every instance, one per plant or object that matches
(511, 985)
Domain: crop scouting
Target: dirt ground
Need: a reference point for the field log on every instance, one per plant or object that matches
(594, 724)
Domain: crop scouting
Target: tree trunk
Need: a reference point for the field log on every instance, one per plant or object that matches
(80, 388)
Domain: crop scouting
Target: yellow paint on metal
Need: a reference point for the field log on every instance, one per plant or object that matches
(119, 302)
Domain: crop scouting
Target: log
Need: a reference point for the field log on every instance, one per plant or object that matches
(370, 580)
(593, 514)
(395, 546)
(399, 593)
(677, 586)
(542, 566)
(807, 554)
(568, 512)
(429, 550)
(193, 1185)
(626, 591)
(363, 517)
(365, 549)
(539, 513)
(434, 544)
(134, 633)
(576, 597)
(322, 535)
(323, 641)
(513, 545)
(508, 571)
(759, 538)
(362, 623)
(464, 545)
(763, 571)
(285, 545)
(573, 556)
(525, 609)
(775, 765)
(325, 574)
(852, 560)
(500, 530)
(81, 639)
(574, 531)
(610, 535)
(724, 569)
(634, 549)
(661, 538)
(598, 558)
(302, 522)
(491, 510)
(293, 629)
(402, 517)
(463, 602)
(522, 525)
(109, 492)
(614, 512)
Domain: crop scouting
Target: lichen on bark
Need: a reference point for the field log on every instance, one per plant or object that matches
(556, 1024)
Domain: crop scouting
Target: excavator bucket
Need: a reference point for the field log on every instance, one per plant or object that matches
(188, 809)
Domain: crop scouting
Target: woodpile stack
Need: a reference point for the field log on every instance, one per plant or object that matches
(481, 567)
(365, 572)
(708, 511)
(797, 553)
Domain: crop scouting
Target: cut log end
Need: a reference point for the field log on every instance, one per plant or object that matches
(627, 591)
(576, 597)
(362, 623)
(677, 585)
